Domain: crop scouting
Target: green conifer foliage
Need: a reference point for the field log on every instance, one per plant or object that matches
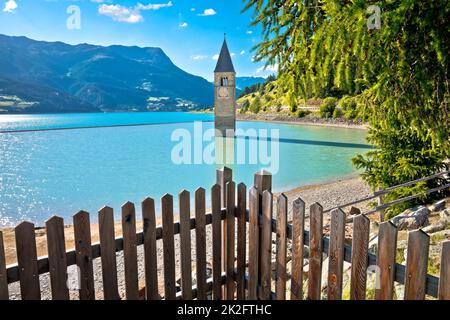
(399, 72)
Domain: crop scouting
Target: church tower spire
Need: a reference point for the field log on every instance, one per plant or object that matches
(224, 63)
(225, 93)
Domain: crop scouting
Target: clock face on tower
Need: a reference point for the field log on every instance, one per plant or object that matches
(223, 92)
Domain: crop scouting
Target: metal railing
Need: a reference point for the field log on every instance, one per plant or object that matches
(381, 193)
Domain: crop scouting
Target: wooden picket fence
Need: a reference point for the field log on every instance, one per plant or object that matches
(241, 251)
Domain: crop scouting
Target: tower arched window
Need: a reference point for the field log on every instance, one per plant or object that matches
(224, 82)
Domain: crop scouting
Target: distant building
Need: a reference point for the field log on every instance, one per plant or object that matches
(225, 92)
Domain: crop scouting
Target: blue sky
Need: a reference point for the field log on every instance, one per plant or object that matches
(189, 31)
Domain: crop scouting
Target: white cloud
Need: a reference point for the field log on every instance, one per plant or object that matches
(232, 54)
(10, 6)
(128, 14)
(154, 6)
(183, 24)
(199, 57)
(272, 68)
(193, 9)
(249, 32)
(120, 13)
(242, 52)
(208, 12)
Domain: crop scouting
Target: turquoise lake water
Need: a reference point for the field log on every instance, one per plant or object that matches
(76, 120)
(43, 173)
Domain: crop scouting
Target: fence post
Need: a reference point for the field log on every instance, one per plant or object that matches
(444, 278)
(380, 203)
(298, 226)
(216, 241)
(27, 261)
(200, 241)
(230, 235)
(387, 251)
(360, 251)
(57, 260)
(223, 176)
(266, 246)
(262, 182)
(130, 251)
(241, 241)
(185, 244)
(315, 249)
(253, 243)
(108, 253)
(150, 257)
(170, 291)
(82, 230)
(416, 265)
(336, 255)
(3, 279)
(281, 245)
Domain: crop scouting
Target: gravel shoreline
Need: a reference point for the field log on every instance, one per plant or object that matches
(308, 120)
(329, 195)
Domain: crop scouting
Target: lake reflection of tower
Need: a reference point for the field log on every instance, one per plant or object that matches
(225, 94)
(224, 147)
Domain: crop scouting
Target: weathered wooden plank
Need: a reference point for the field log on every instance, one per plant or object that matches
(150, 253)
(130, 251)
(230, 257)
(216, 241)
(266, 246)
(336, 255)
(241, 240)
(281, 244)
(444, 278)
(298, 226)
(253, 249)
(56, 246)
(3, 277)
(168, 247)
(223, 176)
(360, 261)
(387, 250)
(315, 259)
(185, 245)
(262, 182)
(82, 230)
(200, 240)
(108, 253)
(27, 261)
(416, 265)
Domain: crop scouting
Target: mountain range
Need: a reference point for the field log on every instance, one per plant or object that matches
(244, 82)
(54, 77)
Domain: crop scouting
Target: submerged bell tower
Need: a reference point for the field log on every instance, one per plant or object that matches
(225, 93)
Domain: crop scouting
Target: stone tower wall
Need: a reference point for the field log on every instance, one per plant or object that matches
(225, 108)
